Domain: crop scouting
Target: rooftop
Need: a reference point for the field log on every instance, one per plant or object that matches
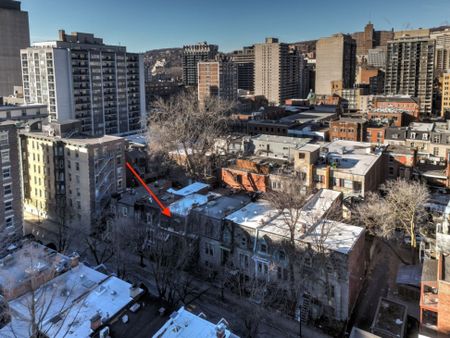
(18, 267)
(190, 189)
(397, 98)
(421, 126)
(183, 206)
(356, 158)
(68, 302)
(223, 206)
(254, 215)
(184, 324)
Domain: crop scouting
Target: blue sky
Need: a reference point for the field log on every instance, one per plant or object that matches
(148, 24)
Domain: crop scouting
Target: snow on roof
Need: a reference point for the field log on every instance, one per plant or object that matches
(222, 206)
(353, 157)
(190, 189)
(421, 126)
(67, 302)
(254, 215)
(310, 147)
(107, 299)
(184, 324)
(184, 205)
(293, 142)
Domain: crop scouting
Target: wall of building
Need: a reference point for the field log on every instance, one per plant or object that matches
(15, 34)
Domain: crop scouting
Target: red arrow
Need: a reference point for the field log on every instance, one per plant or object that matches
(164, 210)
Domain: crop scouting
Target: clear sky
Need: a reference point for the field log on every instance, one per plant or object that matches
(148, 24)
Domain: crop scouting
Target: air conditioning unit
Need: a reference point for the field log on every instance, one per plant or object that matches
(104, 333)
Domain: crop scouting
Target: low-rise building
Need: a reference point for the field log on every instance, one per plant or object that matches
(277, 146)
(23, 112)
(435, 296)
(185, 324)
(406, 103)
(349, 129)
(353, 168)
(69, 298)
(259, 234)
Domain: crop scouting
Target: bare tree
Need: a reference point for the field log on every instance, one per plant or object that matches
(402, 208)
(169, 262)
(187, 129)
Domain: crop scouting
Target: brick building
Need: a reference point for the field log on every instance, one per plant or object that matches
(348, 129)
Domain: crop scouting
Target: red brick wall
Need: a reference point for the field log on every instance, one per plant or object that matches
(444, 309)
(249, 181)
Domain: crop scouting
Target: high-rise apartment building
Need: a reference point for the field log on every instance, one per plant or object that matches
(217, 78)
(376, 57)
(80, 77)
(68, 177)
(442, 38)
(10, 180)
(335, 63)
(14, 35)
(245, 61)
(445, 109)
(278, 71)
(410, 69)
(192, 55)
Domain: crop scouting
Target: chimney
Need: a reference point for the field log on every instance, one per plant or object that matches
(134, 291)
(74, 259)
(220, 330)
(96, 321)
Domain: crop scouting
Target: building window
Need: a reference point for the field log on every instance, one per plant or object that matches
(263, 247)
(308, 261)
(425, 137)
(243, 260)
(263, 268)
(282, 273)
(5, 156)
(281, 255)
(239, 179)
(209, 250)
(8, 206)
(436, 151)
(7, 189)
(413, 136)
(77, 166)
(9, 221)
(125, 211)
(6, 172)
(3, 139)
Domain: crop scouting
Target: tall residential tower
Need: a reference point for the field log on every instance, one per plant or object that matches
(14, 35)
(410, 69)
(192, 55)
(335, 63)
(79, 77)
(278, 71)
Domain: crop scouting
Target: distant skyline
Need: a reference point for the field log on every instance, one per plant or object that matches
(142, 25)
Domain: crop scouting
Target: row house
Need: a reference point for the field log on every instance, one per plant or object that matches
(260, 252)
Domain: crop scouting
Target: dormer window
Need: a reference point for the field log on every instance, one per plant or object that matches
(263, 247)
(413, 136)
(425, 137)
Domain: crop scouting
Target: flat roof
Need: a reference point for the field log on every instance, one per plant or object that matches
(353, 157)
(294, 142)
(183, 206)
(190, 189)
(310, 147)
(17, 267)
(76, 139)
(421, 126)
(223, 206)
(68, 302)
(254, 215)
(184, 324)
